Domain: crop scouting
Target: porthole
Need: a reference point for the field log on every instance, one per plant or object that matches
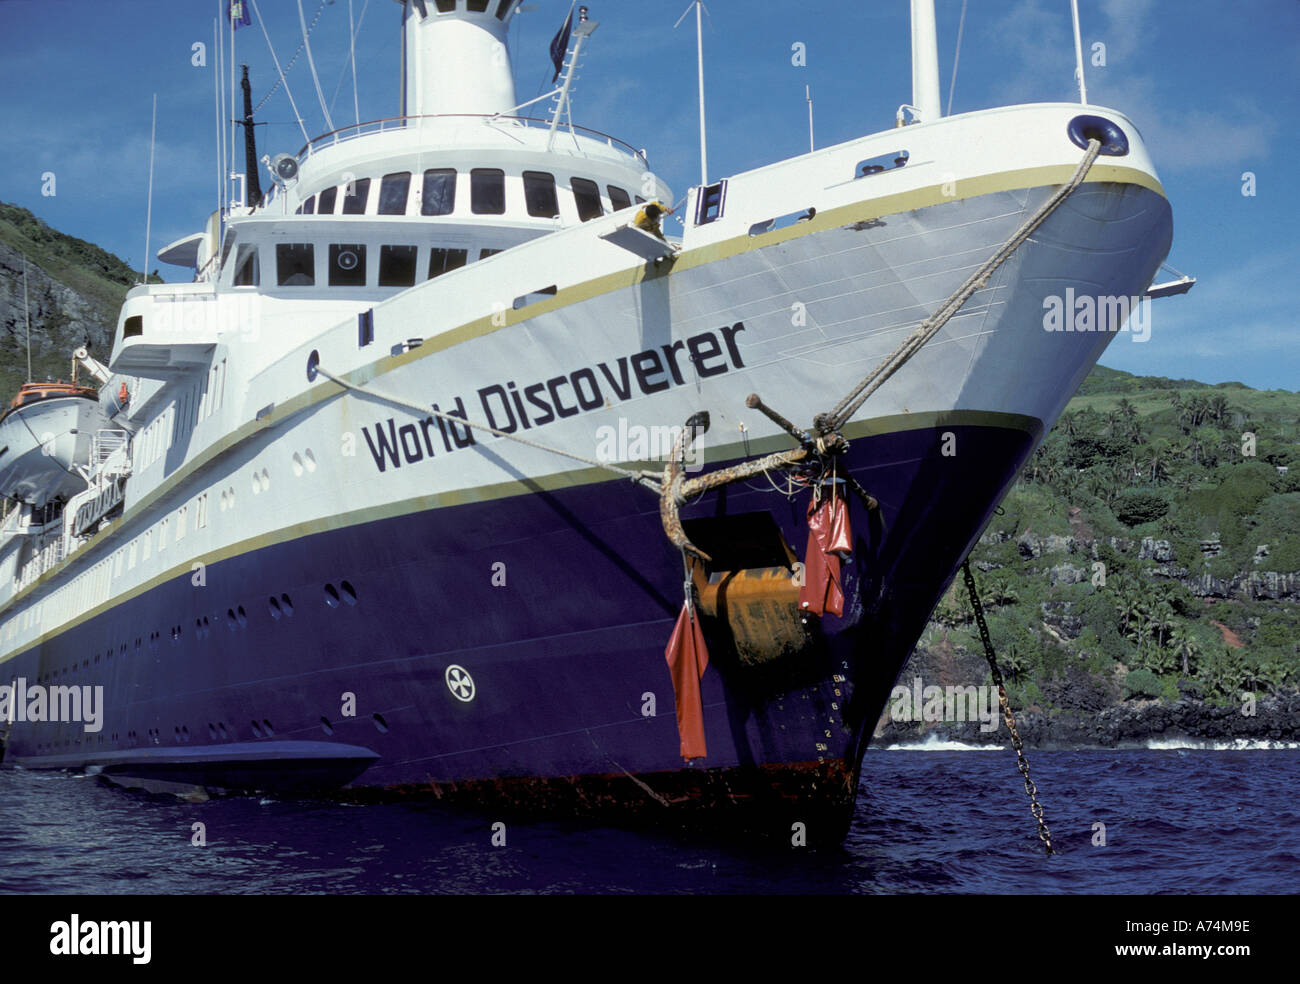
(325, 726)
(349, 592)
(257, 484)
(265, 480)
(309, 460)
(331, 596)
(297, 465)
(212, 731)
(241, 617)
(287, 604)
(266, 726)
(221, 730)
(230, 619)
(257, 729)
(274, 607)
(381, 724)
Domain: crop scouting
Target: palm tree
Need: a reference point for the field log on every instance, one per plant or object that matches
(1162, 620)
(1218, 407)
(1184, 646)
(1161, 451)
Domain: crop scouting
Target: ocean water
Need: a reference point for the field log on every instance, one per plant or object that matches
(941, 819)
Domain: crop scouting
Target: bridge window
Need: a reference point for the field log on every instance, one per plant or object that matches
(587, 196)
(478, 5)
(309, 206)
(618, 198)
(354, 197)
(396, 266)
(393, 191)
(487, 191)
(295, 264)
(446, 6)
(484, 253)
(445, 260)
(326, 204)
(439, 197)
(247, 271)
(504, 9)
(539, 194)
(347, 265)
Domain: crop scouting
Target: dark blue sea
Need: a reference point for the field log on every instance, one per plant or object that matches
(1178, 820)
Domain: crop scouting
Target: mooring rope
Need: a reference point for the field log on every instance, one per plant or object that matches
(829, 423)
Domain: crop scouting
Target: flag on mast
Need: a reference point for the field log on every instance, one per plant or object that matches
(239, 15)
(560, 44)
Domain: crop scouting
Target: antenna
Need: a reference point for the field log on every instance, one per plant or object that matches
(352, 57)
(807, 94)
(1078, 51)
(699, 54)
(148, 215)
(27, 313)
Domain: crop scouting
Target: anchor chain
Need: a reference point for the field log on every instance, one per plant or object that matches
(1022, 763)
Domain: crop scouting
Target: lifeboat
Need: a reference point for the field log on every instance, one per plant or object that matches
(45, 439)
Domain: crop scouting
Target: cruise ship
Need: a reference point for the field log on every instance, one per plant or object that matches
(454, 473)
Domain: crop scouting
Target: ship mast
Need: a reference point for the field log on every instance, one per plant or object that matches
(925, 62)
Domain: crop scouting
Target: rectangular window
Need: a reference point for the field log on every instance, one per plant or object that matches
(504, 9)
(539, 194)
(478, 5)
(586, 194)
(347, 265)
(439, 197)
(247, 271)
(354, 197)
(445, 260)
(295, 264)
(484, 253)
(445, 6)
(618, 198)
(309, 206)
(712, 199)
(326, 204)
(487, 191)
(396, 266)
(392, 193)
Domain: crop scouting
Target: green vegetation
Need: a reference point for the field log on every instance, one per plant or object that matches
(1211, 474)
(99, 277)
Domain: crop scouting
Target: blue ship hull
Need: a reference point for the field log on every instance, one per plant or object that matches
(217, 686)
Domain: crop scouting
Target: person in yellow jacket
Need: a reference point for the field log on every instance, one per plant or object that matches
(649, 218)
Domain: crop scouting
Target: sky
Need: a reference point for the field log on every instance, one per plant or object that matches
(1214, 89)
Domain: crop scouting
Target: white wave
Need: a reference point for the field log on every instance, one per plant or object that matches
(1232, 745)
(934, 743)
